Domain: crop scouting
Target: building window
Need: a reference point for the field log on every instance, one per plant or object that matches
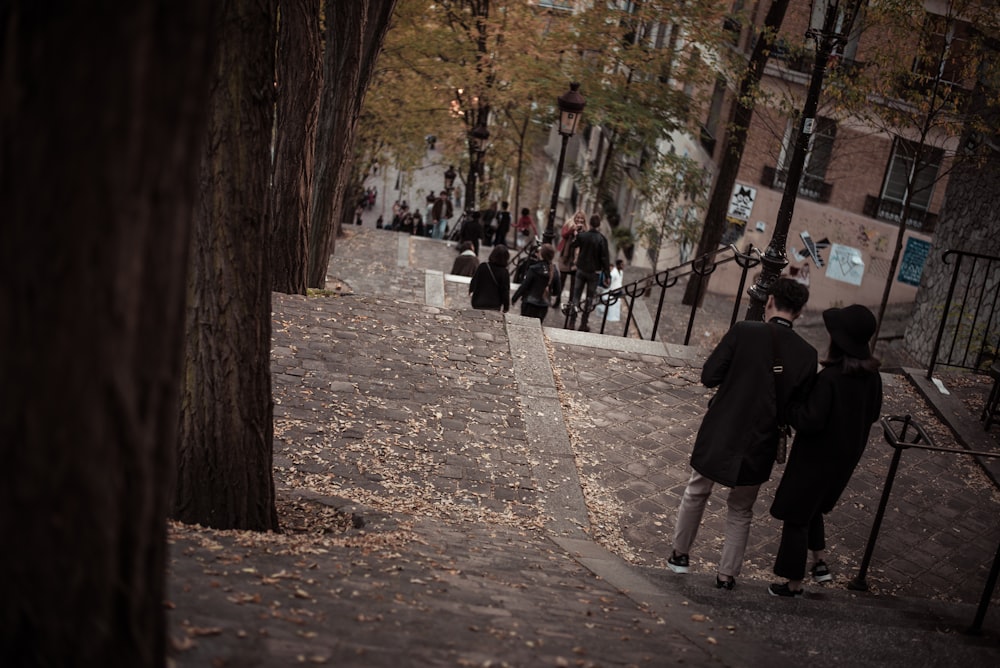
(817, 158)
(903, 169)
(710, 130)
(946, 52)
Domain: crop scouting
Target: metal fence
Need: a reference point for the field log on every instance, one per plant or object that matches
(969, 334)
(911, 435)
(662, 281)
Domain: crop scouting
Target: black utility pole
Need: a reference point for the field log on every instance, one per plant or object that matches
(838, 18)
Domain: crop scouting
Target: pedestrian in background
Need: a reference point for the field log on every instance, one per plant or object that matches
(831, 432)
(489, 221)
(592, 259)
(541, 286)
(737, 442)
(567, 235)
(441, 213)
(490, 284)
(503, 225)
(615, 309)
(524, 229)
(472, 229)
(466, 262)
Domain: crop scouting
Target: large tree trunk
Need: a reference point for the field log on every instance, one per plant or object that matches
(299, 78)
(968, 222)
(354, 35)
(100, 118)
(732, 151)
(224, 460)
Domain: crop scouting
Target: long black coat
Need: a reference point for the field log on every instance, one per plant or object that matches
(738, 438)
(832, 427)
(490, 287)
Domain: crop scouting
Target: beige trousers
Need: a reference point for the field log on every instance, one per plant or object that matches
(738, 517)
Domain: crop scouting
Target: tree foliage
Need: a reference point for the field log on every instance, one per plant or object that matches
(643, 66)
(917, 84)
(675, 191)
(450, 65)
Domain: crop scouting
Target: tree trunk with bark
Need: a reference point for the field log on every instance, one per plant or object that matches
(732, 151)
(101, 115)
(224, 475)
(298, 84)
(968, 222)
(354, 35)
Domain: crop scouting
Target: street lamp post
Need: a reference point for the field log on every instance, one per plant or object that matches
(838, 17)
(477, 148)
(571, 105)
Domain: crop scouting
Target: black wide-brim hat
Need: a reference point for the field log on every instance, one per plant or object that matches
(851, 329)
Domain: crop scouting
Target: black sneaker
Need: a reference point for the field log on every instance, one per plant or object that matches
(781, 589)
(820, 572)
(724, 584)
(678, 562)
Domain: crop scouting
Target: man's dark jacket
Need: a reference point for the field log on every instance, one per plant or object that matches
(593, 253)
(738, 438)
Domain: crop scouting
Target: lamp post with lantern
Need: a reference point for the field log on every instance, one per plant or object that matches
(478, 138)
(571, 105)
(838, 19)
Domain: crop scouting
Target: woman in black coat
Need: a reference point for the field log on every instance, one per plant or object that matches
(490, 284)
(540, 275)
(832, 427)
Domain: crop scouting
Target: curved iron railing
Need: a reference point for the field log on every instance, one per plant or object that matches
(911, 435)
(969, 333)
(665, 279)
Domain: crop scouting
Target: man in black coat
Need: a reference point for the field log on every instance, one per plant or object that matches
(759, 368)
(472, 230)
(592, 258)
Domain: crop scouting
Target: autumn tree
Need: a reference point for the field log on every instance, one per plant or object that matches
(298, 80)
(643, 71)
(101, 115)
(673, 190)
(224, 475)
(354, 35)
(734, 142)
(451, 65)
(968, 222)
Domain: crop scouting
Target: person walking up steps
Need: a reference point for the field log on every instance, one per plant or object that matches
(737, 442)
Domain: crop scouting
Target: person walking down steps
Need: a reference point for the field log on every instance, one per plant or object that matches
(831, 433)
(737, 442)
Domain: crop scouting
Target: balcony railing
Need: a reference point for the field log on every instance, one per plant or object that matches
(810, 187)
(883, 209)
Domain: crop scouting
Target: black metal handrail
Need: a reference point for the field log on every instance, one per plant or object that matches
(971, 315)
(667, 278)
(919, 441)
